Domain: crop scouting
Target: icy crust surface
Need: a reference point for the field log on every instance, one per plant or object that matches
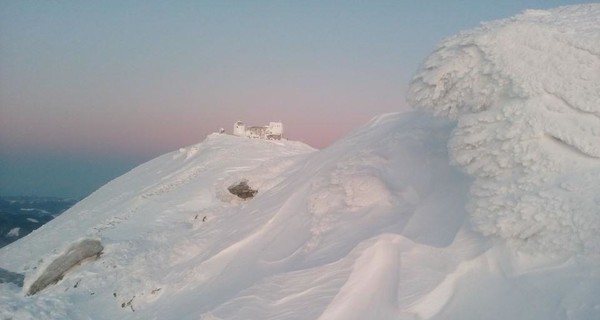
(373, 227)
(525, 92)
(339, 233)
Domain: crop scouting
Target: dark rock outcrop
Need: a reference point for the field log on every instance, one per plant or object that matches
(242, 190)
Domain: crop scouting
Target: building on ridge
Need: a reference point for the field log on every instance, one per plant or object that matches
(273, 131)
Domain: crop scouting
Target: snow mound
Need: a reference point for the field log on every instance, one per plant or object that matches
(373, 227)
(525, 92)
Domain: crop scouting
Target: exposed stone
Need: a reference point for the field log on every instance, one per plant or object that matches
(242, 190)
(72, 257)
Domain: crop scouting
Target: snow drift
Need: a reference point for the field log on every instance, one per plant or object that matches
(526, 94)
(373, 227)
(377, 225)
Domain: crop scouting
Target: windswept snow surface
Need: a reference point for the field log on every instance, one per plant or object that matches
(373, 227)
(376, 226)
(526, 94)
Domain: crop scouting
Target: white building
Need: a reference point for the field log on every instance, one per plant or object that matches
(273, 131)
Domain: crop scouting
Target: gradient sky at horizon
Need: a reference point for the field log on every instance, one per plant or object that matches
(90, 89)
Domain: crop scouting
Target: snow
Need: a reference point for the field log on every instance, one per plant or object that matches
(34, 209)
(490, 214)
(14, 232)
(525, 93)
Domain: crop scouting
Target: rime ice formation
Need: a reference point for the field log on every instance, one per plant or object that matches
(525, 92)
(375, 226)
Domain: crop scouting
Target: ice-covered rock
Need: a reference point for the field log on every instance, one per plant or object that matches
(62, 263)
(525, 92)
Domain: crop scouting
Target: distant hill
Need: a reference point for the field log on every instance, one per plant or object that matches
(19, 216)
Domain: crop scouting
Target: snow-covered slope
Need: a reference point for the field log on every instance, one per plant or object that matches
(373, 227)
(322, 226)
(178, 245)
(377, 226)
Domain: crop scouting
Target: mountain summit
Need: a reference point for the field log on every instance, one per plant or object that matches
(490, 212)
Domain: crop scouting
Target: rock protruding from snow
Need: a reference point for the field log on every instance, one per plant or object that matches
(64, 262)
(242, 190)
(526, 93)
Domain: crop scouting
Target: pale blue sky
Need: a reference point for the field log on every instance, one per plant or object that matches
(89, 89)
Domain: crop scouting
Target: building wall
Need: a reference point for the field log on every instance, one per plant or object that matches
(273, 131)
(239, 129)
(256, 132)
(275, 128)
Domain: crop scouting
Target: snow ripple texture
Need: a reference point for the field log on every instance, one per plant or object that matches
(525, 92)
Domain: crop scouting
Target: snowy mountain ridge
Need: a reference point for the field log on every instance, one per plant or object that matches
(490, 214)
(372, 227)
(289, 232)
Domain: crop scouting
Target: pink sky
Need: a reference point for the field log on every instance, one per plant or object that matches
(127, 81)
(164, 119)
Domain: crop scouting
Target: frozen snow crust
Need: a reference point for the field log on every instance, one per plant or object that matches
(373, 227)
(525, 92)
